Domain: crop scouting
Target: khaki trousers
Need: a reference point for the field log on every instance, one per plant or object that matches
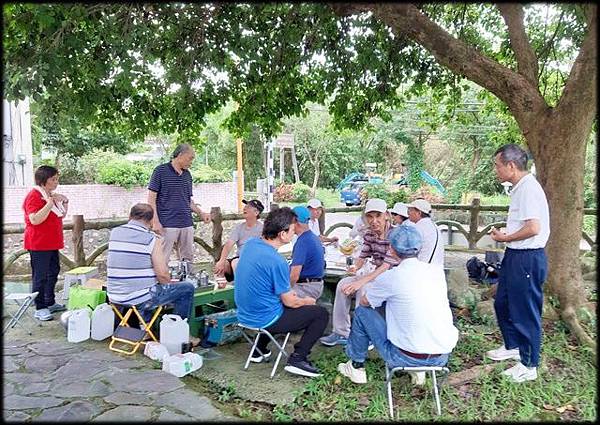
(185, 242)
(340, 320)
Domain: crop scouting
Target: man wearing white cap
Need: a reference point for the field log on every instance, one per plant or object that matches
(419, 212)
(400, 215)
(376, 247)
(316, 209)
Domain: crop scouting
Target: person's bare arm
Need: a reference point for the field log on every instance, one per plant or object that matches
(41, 215)
(295, 274)
(364, 301)
(204, 216)
(159, 264)
(156, 225)
(292, 300)
(363, 280)
(220, 265)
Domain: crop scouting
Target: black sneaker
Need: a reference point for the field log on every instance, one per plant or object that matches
(301, 367)
(258, 358)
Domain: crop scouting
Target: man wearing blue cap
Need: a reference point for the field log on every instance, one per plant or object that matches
(417, 329)
(308, 258)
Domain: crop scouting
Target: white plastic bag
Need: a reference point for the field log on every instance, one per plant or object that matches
(156, 351)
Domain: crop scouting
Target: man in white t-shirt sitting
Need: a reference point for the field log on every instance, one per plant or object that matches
(316, 210)
(417, 329)
(419, 212)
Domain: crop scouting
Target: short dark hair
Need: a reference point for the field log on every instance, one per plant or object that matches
(142, 212)
(513, 153)
(182, 148)
(278, 220)
(43, 173)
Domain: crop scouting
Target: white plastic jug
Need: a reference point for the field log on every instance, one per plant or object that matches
(103, 322)
(174, 331)
(156, 351)
(79, 325)
(181, 364)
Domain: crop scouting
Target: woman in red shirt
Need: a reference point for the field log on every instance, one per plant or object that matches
(44, 212)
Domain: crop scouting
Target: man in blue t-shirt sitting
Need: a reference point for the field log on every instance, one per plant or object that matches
(308, 258)
(264, 298)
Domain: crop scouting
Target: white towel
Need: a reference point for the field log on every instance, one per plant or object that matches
(57, 208)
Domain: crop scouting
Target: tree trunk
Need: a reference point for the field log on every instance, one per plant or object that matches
(313, 191)
(556, 145)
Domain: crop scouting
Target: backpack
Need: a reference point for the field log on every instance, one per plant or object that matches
(483, 272)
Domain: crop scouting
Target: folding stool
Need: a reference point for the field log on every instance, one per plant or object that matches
(23, 300)
(79, 274)
(259, 331)
(389, 373)
(128, 335)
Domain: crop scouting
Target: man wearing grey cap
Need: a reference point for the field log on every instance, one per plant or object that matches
(375, 258)
(417, 329)
(419, 212)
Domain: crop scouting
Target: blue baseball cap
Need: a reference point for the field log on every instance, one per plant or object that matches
(302, 214)
(406, 240)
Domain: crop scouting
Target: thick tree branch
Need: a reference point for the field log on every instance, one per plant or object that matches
(520, 95)
(527, 63)
(579, 94)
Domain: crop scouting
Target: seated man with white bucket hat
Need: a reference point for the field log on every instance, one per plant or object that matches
(419, 212)
(316, 210)
(400, 215)
(376, 248)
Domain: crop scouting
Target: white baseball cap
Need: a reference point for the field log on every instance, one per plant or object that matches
(421, 205)
(314, 203)
(375, 204)
(400, 209)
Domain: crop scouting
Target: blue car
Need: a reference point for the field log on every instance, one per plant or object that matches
(351, 193)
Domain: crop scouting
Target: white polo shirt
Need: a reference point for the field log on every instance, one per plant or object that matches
(417, 311)
(430, 232)
(527, 201)
(313, 225)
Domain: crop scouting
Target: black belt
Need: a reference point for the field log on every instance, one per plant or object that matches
(310, 279)
(418, 355)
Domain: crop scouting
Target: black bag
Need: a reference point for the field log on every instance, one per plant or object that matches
(476, 269)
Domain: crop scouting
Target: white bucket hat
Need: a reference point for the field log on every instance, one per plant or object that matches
(314, 203)
(375, 204)
(421, 205)
(400, 209)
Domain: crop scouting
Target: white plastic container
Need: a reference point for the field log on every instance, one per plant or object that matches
(174, 331)
(156, 351)
(181, 364)
(103, 322)
(79, 325)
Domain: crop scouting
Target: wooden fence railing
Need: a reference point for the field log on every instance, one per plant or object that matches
(78, 225)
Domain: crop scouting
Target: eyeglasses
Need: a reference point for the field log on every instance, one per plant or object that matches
(395, 214)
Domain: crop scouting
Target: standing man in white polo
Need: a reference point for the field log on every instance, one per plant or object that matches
(520, 294)
(419, 212)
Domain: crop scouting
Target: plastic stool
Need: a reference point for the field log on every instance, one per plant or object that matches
(78, 274)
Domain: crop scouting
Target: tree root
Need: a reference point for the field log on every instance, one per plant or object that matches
(570, 318)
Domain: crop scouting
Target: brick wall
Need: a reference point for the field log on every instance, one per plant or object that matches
(107, 201)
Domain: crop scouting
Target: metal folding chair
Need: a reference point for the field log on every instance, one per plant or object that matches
(259, 331)
(389, 373)
(132, 336)
(23, 300)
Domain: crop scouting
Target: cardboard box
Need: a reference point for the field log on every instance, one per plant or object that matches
(94, 283)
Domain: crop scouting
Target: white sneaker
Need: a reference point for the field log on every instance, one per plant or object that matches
(521, 373)
(358, 376)
(417, 378)
(503, 354)
(371, 346)
(43, 314)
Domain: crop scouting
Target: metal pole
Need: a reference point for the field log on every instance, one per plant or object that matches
(240, 176)
(270, 175)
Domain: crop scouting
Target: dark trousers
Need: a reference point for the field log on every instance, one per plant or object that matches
(312, 319)
(45, 267)
(519, 301)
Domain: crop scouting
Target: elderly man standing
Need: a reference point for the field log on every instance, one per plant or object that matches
(170, 195)
(519, 296)
(376, 247)
(308, 259)
(137, 273)
(419, 212)
(417, 329)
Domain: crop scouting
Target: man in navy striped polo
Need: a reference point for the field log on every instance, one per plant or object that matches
(170, 195)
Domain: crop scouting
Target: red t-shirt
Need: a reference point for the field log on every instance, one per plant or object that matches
(46, 236)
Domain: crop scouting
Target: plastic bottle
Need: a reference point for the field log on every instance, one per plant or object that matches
(103, 319)
(173, 332)
(79, 325)
(181, 364)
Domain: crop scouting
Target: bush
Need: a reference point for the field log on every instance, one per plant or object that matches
(300, 192)
(124, 173)
(379, 190)
(296, 192)
(202, 173)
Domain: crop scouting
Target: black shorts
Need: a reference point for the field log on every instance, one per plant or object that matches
(229, 276)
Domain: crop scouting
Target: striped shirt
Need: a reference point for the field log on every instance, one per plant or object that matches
(173, 195)
(130, 274)
(378, 249)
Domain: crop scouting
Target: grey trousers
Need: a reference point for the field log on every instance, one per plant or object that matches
(308, 289)
(340, 319)
(185, 242)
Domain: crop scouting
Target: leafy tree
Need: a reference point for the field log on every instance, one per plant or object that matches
(145, 66)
